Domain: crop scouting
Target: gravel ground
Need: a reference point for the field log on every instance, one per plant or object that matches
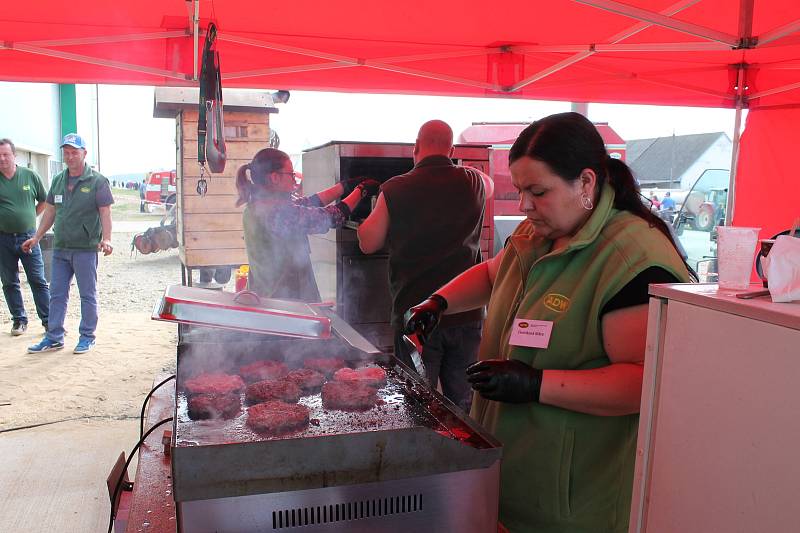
(127, 281)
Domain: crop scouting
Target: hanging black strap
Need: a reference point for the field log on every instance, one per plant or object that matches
(207, 90)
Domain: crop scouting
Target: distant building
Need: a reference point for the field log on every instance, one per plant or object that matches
(37, 115)
(676, 162)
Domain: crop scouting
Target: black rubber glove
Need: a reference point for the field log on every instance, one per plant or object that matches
(350, 184)
(369, 187)
(423, 317)
(505, 380)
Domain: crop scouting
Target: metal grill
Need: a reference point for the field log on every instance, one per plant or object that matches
(347, 511)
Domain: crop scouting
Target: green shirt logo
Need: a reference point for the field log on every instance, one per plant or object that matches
(85, 189)
(26, 187)
(556, 302)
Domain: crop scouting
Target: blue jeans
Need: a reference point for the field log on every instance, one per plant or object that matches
(446, 355)
(83, 265)
(10, 255)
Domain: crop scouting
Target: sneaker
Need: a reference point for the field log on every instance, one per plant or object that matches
(45, 345)
(18, 328)
(83, 346)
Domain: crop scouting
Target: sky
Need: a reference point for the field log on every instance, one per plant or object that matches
(133, 141)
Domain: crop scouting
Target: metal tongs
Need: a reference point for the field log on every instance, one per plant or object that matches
(414, 346)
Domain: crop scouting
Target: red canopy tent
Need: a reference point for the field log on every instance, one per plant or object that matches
(716, 53)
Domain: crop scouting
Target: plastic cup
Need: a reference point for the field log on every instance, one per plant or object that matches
(736, 247)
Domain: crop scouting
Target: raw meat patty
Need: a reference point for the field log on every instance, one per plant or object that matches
(306, 378)
(348, 395)
(261, 370)
(205, 406)
(277, 417)
(266, 390)
(214, 384)
(370, 375)
(325, 365)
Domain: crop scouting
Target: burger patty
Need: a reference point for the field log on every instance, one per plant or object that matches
(348, 395)
(324, 365)
(370, 375)
(263, 391)
(306, 378)
(277, 417)
(218, 384)
(261, 370)
(213, 406)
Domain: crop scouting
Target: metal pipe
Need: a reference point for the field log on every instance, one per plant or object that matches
(196, 39)
(735, 151)
(661, 20)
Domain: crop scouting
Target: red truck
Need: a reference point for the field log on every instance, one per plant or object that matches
(159, 190)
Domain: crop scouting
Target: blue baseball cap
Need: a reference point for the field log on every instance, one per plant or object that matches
(74, 140)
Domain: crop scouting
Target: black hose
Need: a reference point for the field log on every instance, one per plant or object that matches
(125, 469)
(144, 405)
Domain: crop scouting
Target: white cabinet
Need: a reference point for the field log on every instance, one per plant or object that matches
(719, 435)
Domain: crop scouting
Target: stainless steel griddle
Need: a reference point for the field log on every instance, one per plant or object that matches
(414, 462)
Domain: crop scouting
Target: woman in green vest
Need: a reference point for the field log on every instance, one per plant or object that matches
(277, 223)
(559, 375)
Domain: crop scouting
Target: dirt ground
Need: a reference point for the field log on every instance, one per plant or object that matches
(111, 380)
(65, 417)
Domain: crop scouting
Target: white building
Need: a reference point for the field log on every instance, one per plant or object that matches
(32, 118)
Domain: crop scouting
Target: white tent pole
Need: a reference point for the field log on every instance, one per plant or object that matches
(745, 33)
(778, 33)
(735, 150)
(662, 20)
(106, 39)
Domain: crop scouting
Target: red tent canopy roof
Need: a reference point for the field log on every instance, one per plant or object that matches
(684, 52)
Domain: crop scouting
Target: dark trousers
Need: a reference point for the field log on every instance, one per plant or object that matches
(10, 255)
(446, 355)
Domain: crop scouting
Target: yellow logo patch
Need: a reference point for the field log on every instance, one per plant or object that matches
(85, 189)
(556, 302)
(26, 187)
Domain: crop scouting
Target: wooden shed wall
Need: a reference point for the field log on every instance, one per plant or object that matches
(210, 229)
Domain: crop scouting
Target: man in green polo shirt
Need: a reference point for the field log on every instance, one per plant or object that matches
(79, 204)
(22, 198)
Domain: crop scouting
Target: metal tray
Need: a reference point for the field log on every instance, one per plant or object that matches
(243, 311)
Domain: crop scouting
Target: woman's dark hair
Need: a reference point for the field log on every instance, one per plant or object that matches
(569, 143)
(263, 164)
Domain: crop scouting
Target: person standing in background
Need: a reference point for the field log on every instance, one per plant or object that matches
(79, 203)
(430, 218)
(22, 199)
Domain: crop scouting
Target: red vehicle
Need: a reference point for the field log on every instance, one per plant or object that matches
(159, 189)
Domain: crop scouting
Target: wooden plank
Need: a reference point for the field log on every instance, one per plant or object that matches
(210, 204)
(191, 115)
(201, 258)
(213, 222)
(208, 240)
(217, 186)
(192, 170)
(255, 131)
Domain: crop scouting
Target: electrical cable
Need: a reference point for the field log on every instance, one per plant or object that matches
(125, 470)
(73, 419)
(144, 405)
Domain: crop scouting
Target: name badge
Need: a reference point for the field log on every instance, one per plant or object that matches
(531, 333)
(58, 198)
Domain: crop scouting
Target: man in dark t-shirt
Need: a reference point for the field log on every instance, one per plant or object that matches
(430, 220)
(79, 204)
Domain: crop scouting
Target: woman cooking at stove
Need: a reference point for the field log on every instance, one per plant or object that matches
(559, 375)
(277, 223)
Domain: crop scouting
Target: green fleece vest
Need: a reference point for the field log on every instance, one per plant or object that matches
(77, 223)
(565, 471)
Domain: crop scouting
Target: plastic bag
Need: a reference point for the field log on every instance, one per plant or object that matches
(783, 269)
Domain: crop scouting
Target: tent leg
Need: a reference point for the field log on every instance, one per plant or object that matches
(734, 155)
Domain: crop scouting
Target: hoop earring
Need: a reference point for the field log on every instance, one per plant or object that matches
(586, 202)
